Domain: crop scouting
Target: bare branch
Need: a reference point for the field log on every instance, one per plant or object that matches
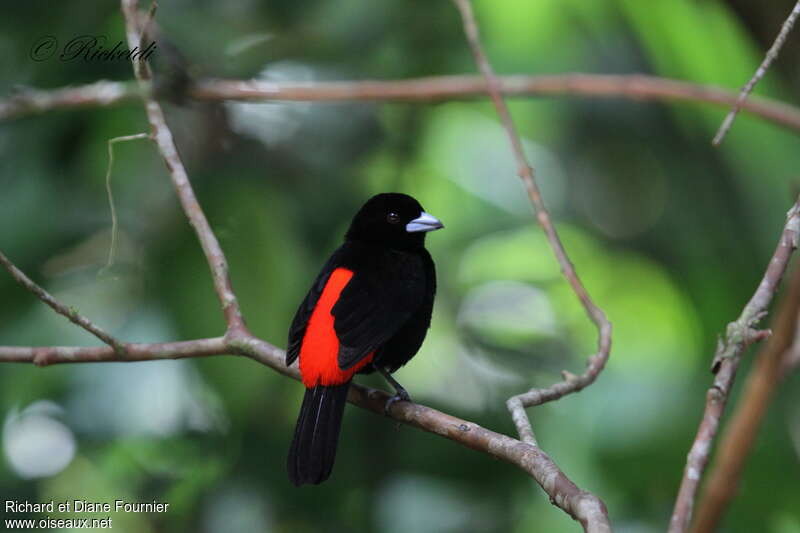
(433, 89)
(571, 383)
(28, 101)
(529, 458)
(151, 14)
(742, 430)
(581, 505)
(51, 355)
(739, 335)
(772, 54)
(71, 313)
(180, 180)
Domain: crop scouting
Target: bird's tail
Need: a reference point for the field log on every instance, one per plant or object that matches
(316, 435)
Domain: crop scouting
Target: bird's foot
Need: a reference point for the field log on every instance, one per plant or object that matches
(401, 396)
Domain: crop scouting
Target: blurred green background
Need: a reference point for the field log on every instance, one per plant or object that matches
(669, 235)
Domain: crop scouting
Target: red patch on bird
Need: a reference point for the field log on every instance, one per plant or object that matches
(319, 352)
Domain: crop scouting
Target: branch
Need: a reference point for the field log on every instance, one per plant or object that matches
(70, 312)
(28, 101)
(530, 459)
(51, 355)
(432, 89)
(581, 505)
(739, 334)
(772, 54)
(180, 180)
(741, 432)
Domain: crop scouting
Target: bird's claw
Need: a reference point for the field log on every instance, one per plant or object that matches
(401, 396)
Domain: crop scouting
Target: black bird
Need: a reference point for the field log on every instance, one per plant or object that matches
(368, 310)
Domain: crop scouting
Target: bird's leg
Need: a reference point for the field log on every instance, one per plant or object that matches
(401, 394)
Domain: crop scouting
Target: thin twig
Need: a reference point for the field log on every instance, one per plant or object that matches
(180, 180)
(114, 224)
(433, 89)
(742, 430)
(772, 54)
(70, 312)
(739, 334)
(149, 18)
(581, 505)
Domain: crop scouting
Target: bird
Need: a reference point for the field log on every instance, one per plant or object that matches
(368, 310)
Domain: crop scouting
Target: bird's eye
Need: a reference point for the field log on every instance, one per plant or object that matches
(393, 218)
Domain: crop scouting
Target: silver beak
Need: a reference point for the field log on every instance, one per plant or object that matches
(424, 222)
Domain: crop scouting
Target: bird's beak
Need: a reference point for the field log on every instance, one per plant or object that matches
(424, 222)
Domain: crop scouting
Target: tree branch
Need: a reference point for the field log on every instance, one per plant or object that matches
(739, 334)
(51, 355)
(741, 432)
(70, 312)
(29, 101)
(529, 458)
(581, 505)
(180, 180)
(772, 54)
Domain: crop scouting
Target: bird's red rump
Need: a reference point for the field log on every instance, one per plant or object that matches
(320, 349)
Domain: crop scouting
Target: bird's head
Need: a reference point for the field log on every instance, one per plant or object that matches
(394, 220)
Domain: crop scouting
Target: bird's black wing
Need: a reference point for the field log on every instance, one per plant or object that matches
(385, 290)
(298, 328)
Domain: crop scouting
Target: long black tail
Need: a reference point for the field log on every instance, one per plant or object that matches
(316, 435)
